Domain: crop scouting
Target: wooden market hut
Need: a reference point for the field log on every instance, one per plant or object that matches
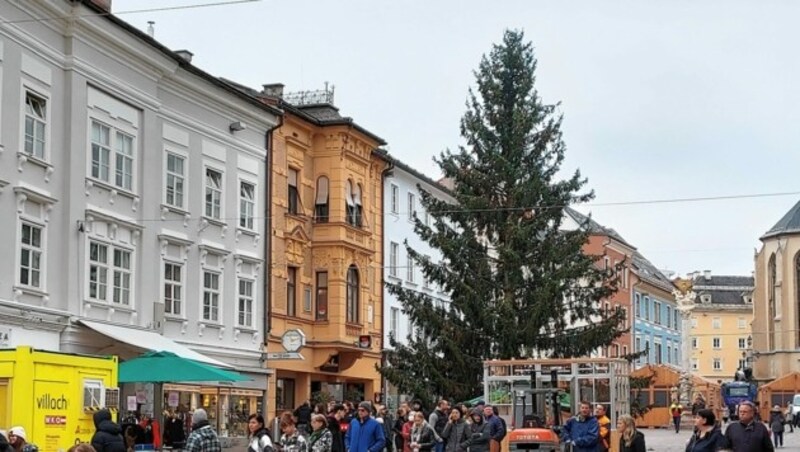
(666, 381)
(778, 392)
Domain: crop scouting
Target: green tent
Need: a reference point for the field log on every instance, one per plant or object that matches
(162, 367)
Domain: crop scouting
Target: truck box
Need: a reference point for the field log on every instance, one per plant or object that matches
(54, 395)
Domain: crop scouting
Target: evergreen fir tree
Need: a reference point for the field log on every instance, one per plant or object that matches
(517, 281)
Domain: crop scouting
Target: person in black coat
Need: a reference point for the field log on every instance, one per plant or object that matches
(708, 436)
(108, 437)
(630, 439)
(335, 417)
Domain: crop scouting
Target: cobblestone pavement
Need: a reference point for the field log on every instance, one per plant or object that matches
(664, 440)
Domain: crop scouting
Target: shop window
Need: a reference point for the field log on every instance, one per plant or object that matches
(93, 394)
(284, 394)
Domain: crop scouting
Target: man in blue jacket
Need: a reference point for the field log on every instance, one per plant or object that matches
(583, 430)
(365, 433)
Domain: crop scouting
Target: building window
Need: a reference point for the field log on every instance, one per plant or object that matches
(658, 353)
(716, 323)
(122, 277)
(291, 291)
(322, 295)
(294, 194)
(245, 303)
(669, 354)
(646, 308)
(637, 305)
(321, 203)
(99, 269)
(352, 294)
(31, 256)
(247, 205)
(427, 218)
(426, 283)
(211, 296)
(359, 206)
(102, 155)
(307, 299)
(626, 322)
(175, 180)
(694, 322)
(668, 317)
(409, 269)
(695, 342)
(35, 125)
(772, 274)
(173, 288)
(354, 208)
(648, 351)
(624, 350)
(675, 319)
(742, 364)
(213, 194)
(717, 364)
(625, 277)
(412, 206)
(657, 313)
(395, 199)
(694, 364)
(394, 250)
(716, 343)
(638, 348)
(616, 350)
(742, 343)
(394, 322)
(741, 323)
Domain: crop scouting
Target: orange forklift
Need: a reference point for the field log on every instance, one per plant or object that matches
(536, 417)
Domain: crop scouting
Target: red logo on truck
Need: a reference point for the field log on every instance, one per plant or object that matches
(55, 420)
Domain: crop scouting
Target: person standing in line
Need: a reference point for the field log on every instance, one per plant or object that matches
(497, 429)
(676, 410)
(480, 432)
(776, 424)
(456, 432)
(605, 428)
(630, 439)
(707, 436)
(437, 420)
(203, 438)
(335, 417)
(789, 417)
(397, 428)
(747, 435)
(292, 439)
(303, 417)
(582, 431)
(260, 440)
(321, 439)
(108, 436)
(365, 434)
(423, 438)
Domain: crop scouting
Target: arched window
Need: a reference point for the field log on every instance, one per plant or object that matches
(358, 210)
(772, 275)
(350, 206)
(321, 210)
(352, 294)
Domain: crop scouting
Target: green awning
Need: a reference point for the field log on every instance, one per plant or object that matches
(162, 367)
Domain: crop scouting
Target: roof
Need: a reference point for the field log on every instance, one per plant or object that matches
(723, 289)
(789, 224)
(317, 114)
(595, 227)
(650, 273)
(186, 65)
(403, 166)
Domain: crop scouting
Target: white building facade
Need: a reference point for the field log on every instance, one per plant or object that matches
(401, 202)
(132, 186)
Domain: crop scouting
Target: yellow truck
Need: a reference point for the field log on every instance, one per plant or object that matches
(54, 395)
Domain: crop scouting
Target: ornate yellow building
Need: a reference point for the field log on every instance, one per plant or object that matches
(326, 223)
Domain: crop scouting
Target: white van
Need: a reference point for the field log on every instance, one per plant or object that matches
(796, 405)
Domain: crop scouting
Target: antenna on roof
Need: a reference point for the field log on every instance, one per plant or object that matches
(151, 31)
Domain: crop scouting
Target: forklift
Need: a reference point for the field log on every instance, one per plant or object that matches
(540, 426)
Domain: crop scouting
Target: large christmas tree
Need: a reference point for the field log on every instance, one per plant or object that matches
(518, 282)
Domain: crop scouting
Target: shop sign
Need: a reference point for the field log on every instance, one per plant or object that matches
(283, 355)
(131, 403)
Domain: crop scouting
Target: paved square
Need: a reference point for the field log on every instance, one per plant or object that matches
(664, 440)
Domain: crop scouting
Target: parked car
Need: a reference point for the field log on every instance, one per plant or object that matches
(796, 405)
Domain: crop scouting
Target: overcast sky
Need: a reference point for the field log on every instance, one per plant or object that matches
(661, 100)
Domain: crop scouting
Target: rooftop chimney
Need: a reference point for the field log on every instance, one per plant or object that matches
(273, 89)
(151, 30)
(104, 4)
(185, 55)
(707, 275)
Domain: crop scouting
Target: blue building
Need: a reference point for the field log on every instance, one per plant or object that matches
(656, 320)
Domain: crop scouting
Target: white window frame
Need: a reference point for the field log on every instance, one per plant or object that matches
(394, 258)
(637, 305)
(211, 296)
(716, 323)
(410, 270)
(247, 207)
(741, 323)
(394, 321)
(717, 364)
(695, 343)
(169, 309)
(657, 312)
(246, 298)
(115, 165)
(626, 324)
(114, 274)
(394, 199)
(183, 177)
(215, 192)
(41, 250)
(716, 343)
(40, 94)
(742, 363)
(695, 364)
(94, 386)
(693, 321)
(742, 343)
(412, 205)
